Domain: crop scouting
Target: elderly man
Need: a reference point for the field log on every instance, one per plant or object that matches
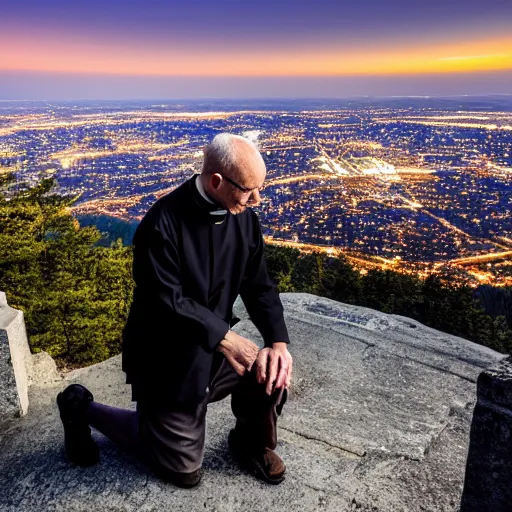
(196, 249)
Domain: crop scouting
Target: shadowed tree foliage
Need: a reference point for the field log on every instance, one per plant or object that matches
(75, 295)
(111, 228)
(280, 263)
(340, 281)
(451, 306)
(497, 301)
(392, 292)
(308, 272)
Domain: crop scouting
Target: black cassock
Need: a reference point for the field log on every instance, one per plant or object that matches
(188, 270)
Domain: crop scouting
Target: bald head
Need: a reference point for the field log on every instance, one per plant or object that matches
(233, 172)
(236, 157)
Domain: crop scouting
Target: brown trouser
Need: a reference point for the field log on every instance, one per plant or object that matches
(173, 439)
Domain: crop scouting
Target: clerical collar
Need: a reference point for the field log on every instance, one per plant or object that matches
(200, 188)
(207, 203)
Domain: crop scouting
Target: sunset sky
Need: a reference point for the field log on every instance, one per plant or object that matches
(116, 49)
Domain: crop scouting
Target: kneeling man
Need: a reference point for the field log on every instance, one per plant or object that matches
(195, 251)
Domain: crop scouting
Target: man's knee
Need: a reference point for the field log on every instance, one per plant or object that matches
(172, 443)
(249, 398)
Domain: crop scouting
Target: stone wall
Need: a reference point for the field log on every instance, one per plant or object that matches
(487, 484)
(15, 362)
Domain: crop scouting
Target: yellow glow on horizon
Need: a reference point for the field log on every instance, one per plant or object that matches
(52, 55)
(475, 57)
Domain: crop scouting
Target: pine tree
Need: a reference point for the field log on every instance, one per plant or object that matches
(392, 292)
(340, 281)
(280, 263)
(307, 273)
(75, 295)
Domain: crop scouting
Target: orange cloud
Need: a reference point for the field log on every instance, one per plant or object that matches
(52, 55)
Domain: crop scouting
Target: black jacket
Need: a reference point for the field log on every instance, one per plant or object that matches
(188, 271)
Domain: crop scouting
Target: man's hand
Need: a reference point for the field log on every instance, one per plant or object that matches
(240, 352)
(274, 367)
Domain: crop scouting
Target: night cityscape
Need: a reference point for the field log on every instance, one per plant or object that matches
(414, 184)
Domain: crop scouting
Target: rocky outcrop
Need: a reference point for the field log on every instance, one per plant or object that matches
(378, 420)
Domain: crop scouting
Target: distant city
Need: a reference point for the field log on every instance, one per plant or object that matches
(416, 185)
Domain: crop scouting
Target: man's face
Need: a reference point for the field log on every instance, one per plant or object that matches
(237, 196)
(239, 187)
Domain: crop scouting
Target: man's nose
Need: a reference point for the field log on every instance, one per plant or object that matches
(255, 197)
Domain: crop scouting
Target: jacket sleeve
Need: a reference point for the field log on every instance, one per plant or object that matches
(157, 259)
(259, 293)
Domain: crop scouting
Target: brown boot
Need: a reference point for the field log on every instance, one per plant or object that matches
(264, 464)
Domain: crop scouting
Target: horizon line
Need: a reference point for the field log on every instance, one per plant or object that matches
(266, 98)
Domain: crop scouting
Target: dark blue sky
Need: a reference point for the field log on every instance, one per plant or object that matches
(282, 19)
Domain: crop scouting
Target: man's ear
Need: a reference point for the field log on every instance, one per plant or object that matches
(215, 180)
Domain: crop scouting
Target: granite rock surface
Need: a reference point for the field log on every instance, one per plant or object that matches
(378, 420)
